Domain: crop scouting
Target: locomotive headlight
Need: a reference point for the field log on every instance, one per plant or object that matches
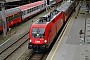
(30, 40)
(45, 41)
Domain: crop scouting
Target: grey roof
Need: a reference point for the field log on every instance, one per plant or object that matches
(11, 11)
(47, 18)
(64, 7)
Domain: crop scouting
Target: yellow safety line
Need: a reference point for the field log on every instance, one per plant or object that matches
(59, 42)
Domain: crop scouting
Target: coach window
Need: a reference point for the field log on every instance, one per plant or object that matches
(31, 9)
(9, 18)
(28, 11)
(34, 8)
(23, 13)
(42, 5)
(37, 7)
(16, 15)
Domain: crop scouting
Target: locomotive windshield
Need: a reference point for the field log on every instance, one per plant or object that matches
(38, 32)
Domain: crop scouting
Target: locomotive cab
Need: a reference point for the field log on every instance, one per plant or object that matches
(37, 39)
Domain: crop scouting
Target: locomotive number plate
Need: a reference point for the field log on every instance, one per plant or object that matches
(37, 41)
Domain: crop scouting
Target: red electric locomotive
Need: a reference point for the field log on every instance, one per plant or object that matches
(43, 31)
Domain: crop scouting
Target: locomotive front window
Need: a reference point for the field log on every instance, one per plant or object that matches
(38, 32)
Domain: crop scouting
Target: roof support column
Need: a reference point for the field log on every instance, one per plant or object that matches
(4, 20)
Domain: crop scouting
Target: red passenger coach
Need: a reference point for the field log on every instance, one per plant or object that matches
(44, 30)
(67, 8)
(13, 17)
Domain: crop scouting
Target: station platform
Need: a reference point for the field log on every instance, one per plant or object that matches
(71, 46)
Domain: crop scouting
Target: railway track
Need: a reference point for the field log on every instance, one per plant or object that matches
(13, 47)
(36, 56)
